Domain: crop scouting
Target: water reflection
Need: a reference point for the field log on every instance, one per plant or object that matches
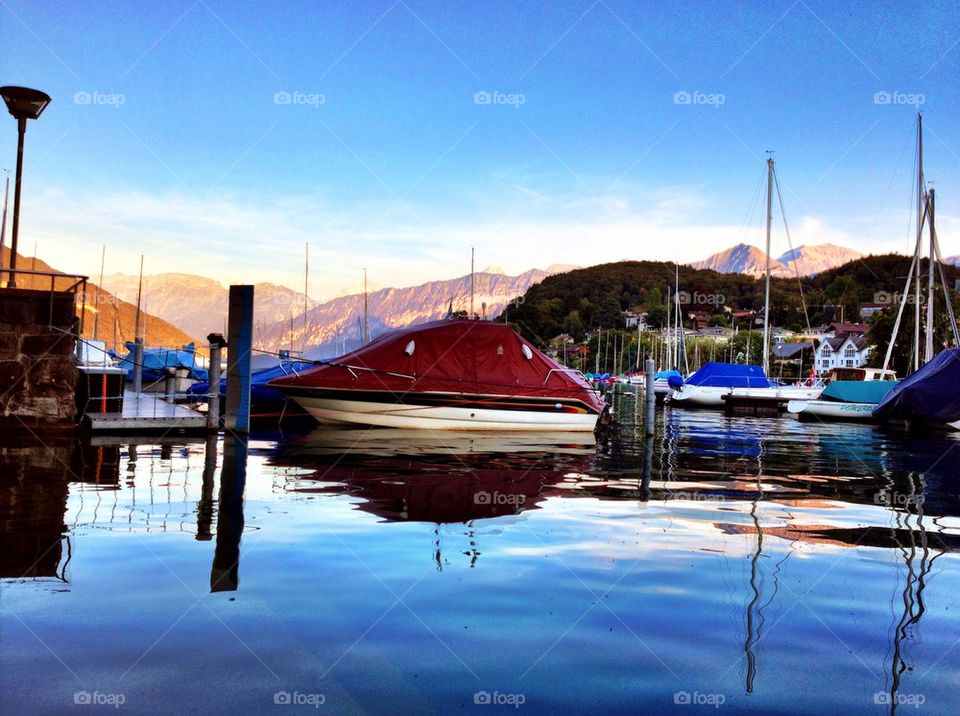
(225, 573)
(429, 477)
(782, 555)
(33, 499)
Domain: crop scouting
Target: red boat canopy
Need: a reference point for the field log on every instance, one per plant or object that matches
(455, 356)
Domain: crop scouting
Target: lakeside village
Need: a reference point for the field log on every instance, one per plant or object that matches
(727, 335)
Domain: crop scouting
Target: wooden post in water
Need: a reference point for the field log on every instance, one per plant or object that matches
(170, 383)
(650, 396)
(217, 343)
(138, 365)
(240, 340)
(205, 504)
(224, 574)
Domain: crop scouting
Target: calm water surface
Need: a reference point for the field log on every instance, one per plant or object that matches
(728, 564)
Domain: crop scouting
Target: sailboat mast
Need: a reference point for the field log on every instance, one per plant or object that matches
(366, 325)
(919, 249)
(667, 350)
(136, 323)
(98, 302)
(766, 297)
(3, 222)
(928, 353)
(306, 291)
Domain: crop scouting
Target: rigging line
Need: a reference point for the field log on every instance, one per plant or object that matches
(573, 391)
(903, 302)
(893, 176)
(796, 269)
(946, 291)
(747, 222)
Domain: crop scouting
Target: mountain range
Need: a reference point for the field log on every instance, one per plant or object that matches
(198, 304)
(805, 260)
(336, 326)
(106, 317)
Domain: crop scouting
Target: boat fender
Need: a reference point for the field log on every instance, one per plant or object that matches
(605, 423)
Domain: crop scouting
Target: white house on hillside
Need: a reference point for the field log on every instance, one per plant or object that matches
(846, 350)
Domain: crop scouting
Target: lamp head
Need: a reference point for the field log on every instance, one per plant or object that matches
(23, 102)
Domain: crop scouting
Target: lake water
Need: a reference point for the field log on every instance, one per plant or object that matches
(727, 564)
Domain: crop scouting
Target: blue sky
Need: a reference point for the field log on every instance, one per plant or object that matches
(169, 133)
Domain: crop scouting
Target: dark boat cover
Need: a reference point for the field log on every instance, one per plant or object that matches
(932, 393)
(452, 356)
(729, 375)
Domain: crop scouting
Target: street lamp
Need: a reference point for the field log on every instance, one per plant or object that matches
(23, 103)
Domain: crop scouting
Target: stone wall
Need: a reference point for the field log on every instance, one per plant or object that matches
(37, 372)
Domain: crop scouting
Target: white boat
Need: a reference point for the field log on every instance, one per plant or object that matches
(832, 411)
(416, 413)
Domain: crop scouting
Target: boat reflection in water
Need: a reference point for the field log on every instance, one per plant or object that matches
(440, 478)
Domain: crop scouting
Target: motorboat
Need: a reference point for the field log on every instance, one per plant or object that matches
(452, 374)
(851, 394)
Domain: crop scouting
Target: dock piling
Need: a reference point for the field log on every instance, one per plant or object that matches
(138, 366)
(169, 384)
(651, 397)
(240, 340)
(217, 343)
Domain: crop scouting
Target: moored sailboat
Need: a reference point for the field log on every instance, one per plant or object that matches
(745, 388)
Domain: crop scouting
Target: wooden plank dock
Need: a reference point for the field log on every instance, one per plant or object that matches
(147, 413)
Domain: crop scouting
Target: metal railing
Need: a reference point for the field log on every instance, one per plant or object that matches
(76, 283)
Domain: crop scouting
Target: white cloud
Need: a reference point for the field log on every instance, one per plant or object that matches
(235, 238)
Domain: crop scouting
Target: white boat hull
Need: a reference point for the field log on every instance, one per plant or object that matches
(828, 410)
(701, 396)
(428, 417)
(780, 393)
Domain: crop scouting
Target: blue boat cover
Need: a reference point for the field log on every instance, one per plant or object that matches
(155, 360)
(857, 391)
(730, 375)
(673, 377)
(932, 393)
(259, 378)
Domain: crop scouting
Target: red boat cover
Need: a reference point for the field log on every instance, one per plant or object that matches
(454, 356)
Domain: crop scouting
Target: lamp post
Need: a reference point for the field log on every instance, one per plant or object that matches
(23, 103)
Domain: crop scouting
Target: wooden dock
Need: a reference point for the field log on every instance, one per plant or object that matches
(147, 413)
(753, 406)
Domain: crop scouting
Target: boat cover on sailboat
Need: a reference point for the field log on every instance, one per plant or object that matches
(155, 360)
(931, 393)
(729, 375)
(857, 391)
(452, 356)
